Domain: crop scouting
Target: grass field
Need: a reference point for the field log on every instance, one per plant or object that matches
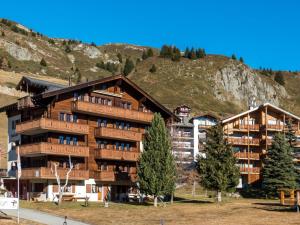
(184, 211)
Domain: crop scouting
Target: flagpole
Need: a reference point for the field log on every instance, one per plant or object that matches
(19, 163)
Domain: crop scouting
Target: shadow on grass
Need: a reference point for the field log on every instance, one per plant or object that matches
(275, 207)
(187, 200)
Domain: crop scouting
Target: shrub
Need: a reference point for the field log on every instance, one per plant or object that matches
(129, 66)
(152, 69)
(43, 62)
(67, 49)
(120, 57)
(279, 78)
(233, 57)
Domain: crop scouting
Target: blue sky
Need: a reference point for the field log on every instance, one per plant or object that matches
(265, 33)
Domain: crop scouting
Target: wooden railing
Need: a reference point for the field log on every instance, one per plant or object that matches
(250, 170)
(119, 134)
(33, 126)
(113, 176)
(251, 127)
(111, 111)
(46, 173)
(246, 155)
(244, 141)
(53, 149)
(275, 126)
(116, 154)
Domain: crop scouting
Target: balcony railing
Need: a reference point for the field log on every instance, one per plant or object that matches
(275, 127)
(245, 127)
(244, 141)
(111, 111)
(253, 170)
(46, 173)
(112, 176)
(246, 155)
(53, 149)
(116, 154)
(45, 124)
(118, 134)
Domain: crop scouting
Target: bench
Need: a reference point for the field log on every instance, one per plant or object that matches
(86, 200)
(66, 197)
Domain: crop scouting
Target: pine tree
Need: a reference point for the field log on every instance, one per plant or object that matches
(119, 57)
(192, 54)
(152, 69)
(186, 53)
(218, 170)
(150, 52)
(129, 66)
(279, 171)
(233, 57)
(279, 78)
(156, 166)
(43, 62)
(144, 55)
(290, 134)
(176, 55)
(241, 60)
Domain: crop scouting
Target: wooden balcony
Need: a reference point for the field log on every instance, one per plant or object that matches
(246, 127)
(111, 111)
(244, 141)
(253, 170)
(43, 125)
(44, 148)
(46, 173)
(113, 154)
(112, 133)
(246, 155)
(112, 176)
(275, 127)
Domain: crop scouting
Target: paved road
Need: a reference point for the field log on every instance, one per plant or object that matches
(41, 217)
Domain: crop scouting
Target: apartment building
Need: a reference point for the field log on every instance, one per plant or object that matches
(251, 133)
(99, 125)
(183, 136)
(201, 124)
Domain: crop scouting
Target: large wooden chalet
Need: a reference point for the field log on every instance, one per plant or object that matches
(100, 124)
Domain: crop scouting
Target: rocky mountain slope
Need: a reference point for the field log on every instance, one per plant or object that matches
(213, 83)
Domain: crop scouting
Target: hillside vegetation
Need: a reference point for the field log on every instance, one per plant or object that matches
(208, 83)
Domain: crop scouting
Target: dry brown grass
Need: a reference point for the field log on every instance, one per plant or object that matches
(13, 221)
(233, 212)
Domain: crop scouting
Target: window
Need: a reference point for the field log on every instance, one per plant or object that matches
(98, 144)
(103, 87)
(117, 145)
(117, 124)
(99, 122)
(61, 116)
(61, 139)
(68, 140)
(104, 167)
(128, 105)
(75, 118)
(104, 123)
(109, 102)
(122, 125)
(68, 117)
(75, 141)
(127, 126)
(75, 95)
(122, 146)
(128, 147)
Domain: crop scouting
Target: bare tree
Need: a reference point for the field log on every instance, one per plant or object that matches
(61, 188)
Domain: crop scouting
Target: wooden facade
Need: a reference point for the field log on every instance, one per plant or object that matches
(100, 124)
(251, 133)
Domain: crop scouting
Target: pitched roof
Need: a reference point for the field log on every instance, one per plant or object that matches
(258, 107)
(207, 115)
(48, 86)
(99, 81)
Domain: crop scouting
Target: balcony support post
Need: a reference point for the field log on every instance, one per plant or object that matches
(248, 134)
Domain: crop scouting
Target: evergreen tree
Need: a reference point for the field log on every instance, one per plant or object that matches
(218, 170)
(290, 134)
(176, 55)
(200, 53)
(67, 49)
(279, 171)
(120, 57)
(2, 33)
(156, 166)
(150, 52)
(279, 78)
(233, 57)
(241, 60)
(192, 54)
(186, 53)
(128, 67)
(43, 62)
(144, 55)
(152, 69)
